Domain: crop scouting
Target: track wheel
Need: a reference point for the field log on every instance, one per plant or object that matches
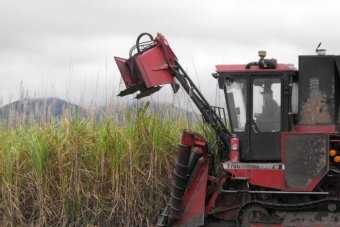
(332, 207)
(254, 214)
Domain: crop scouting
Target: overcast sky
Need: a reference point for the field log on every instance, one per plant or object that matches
(65, 48)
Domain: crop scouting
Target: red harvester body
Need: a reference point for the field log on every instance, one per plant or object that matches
(280, 157)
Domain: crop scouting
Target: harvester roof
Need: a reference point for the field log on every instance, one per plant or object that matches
(243, 68)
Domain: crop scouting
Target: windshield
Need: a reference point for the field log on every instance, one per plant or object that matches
(236, 99)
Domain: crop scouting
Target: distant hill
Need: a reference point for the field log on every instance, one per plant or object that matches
(39, 110)
(45, 110)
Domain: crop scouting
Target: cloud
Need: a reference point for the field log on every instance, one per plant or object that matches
(67, 47)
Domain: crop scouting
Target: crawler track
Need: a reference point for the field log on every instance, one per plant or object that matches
(306, 206)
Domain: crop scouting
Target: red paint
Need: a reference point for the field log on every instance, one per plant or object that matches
(129, 80)
(194, 198)
(234, 154)
(213, 198)
(265, 225)
(187, 138)
(234, 149)
(149, 68)
(152, 65)
(314, 128)
(242, 68)
(274, 178)
(154, 69)
(193, 202)
(167, 51)
(260, 177)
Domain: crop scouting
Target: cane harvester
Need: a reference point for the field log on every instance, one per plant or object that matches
(280, 159)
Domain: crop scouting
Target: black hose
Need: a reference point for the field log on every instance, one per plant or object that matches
(335, 170)
(254, 63)
(138, 39)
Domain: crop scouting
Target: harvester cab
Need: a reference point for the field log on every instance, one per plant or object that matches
(259, 108)
(280, 153)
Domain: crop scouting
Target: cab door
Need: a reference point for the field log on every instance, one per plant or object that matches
(265, 118)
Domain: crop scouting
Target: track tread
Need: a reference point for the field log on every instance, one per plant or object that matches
(285, 207)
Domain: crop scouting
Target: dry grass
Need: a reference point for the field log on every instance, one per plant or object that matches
(88, 173)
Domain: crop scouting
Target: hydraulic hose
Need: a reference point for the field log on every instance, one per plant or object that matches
(138, 40)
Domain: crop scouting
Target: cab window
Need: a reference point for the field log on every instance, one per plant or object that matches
(266, 104)
(236, 99)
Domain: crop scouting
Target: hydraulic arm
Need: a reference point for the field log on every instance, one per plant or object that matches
(155, 64)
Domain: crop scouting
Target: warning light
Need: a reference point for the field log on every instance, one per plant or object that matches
(332, 153)
(337, 159)
(262, 53)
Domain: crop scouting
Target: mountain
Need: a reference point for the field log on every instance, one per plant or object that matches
(39, 110)
(45, 110)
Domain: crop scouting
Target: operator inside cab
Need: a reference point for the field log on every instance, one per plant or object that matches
(267, 121)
